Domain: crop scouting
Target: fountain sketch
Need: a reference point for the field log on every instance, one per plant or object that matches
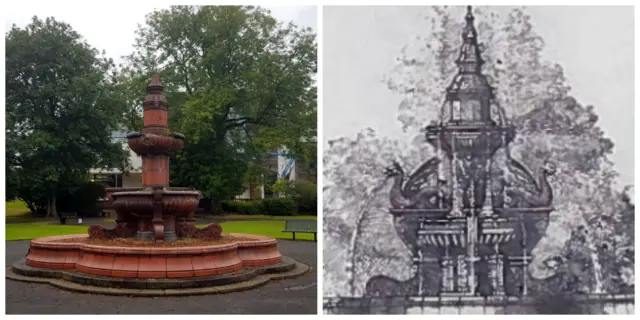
(457, 231)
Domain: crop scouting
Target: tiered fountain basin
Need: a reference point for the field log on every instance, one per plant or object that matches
(140, 203)
(178, 260)
(150, 143)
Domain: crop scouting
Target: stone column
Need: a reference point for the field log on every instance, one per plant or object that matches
(487, 207)
(472, 254)
(499, 289)
(144, 230)
(456, 192)
(170, 228)
(447, 267)
(157, 221)
(493, 272)
(462, 274)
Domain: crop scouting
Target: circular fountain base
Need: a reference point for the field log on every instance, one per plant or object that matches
(240, 262)
(182, 260)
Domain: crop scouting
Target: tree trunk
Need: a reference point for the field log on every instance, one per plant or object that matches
(216, 206)
(597, 272)
(51, 207)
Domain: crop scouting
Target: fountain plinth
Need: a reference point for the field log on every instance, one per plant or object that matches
(471, 224)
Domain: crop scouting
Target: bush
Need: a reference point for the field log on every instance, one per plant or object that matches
(306, 195)
(244, 207)
(280, 206)
(82, 198)
(304, 192)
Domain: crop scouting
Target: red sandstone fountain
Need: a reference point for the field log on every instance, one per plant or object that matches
(155, 242)
(155, 211)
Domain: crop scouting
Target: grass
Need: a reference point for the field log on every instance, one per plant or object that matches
(266, 217)
(20, 225)
(27, 231)
(262, 217)
(264, 228)
(16, 211)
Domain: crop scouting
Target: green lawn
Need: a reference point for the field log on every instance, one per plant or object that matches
(27, 231)
(16, 211)
(15, 208)
(266, 217)
(21, 226)
(265, 228)
(255, 217)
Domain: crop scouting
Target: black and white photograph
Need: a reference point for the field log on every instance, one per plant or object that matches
(478, 160)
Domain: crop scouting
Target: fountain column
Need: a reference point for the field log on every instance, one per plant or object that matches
(155, 167)
(448, 276)
(495, 277)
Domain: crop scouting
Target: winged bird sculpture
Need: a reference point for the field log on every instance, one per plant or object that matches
(524, 190)
(418, 192)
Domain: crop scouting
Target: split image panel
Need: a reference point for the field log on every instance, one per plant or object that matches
(469, 160)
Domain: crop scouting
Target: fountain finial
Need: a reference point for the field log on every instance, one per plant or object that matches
(155, 80)
(154, 84)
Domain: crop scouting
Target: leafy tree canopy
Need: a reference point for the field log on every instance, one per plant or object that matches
(239, 84)
(60, 111)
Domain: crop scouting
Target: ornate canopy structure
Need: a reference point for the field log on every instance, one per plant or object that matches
(470, 220)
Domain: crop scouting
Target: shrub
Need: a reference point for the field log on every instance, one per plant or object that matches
(243, 207)
(228, 206)
(306, 195)
(304, 192)
(82, 198)
(280, 206)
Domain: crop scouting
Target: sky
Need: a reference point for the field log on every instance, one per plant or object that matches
(594, 45)
(111, 28)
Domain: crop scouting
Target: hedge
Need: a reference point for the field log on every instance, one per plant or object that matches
(242, 207)
(280, 206)
(270, 206)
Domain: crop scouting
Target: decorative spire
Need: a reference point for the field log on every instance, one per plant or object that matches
(469, 59)
(469, 92)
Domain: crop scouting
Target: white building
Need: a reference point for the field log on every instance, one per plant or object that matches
(114, 177)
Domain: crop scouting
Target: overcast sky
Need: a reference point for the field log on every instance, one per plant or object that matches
(112, 27)
(594, 45)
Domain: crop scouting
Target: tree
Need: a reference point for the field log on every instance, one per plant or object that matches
(355, 218)
(61, 110)
(242, 85)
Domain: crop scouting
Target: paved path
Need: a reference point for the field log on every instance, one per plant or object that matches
(293, 296)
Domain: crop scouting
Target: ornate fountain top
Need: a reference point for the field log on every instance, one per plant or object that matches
(470, 84)
(468, 136)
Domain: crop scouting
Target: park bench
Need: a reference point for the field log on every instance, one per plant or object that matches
(302, 226)
(66, 215)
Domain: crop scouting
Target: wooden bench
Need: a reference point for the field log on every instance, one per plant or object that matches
(303, 226)
(66, 215)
